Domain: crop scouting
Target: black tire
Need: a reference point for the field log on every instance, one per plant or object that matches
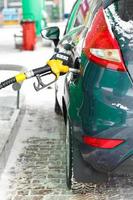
(80, 177)
(69, 156)
(73, 164)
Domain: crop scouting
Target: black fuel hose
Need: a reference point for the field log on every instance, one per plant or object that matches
(26, 75)
(7, 82)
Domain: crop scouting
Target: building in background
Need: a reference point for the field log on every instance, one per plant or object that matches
(58, 9)
(54, 10)
(1, 4)
(10, 11)
(10, 4)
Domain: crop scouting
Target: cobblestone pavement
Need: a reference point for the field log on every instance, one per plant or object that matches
(36, 166)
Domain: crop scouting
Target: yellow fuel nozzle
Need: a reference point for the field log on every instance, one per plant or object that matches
(57, 67)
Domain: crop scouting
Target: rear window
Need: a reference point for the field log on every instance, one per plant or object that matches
(120, 16)
(124, 8)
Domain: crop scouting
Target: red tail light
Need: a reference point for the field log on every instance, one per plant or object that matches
(101, 46)
(102, 142)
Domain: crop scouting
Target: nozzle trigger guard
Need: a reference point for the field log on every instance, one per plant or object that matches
(40, 85)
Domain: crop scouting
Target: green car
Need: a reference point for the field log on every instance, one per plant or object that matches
(97, 104)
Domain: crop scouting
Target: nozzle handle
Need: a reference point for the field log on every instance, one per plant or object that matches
(42, 70)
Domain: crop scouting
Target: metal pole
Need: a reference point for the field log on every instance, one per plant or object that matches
(18, 99)
(5, 3)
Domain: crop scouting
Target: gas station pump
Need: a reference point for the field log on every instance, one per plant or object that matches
(31, 22)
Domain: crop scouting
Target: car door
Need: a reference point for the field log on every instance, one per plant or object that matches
(74, 34)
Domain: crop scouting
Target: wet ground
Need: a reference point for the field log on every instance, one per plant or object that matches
(36, 166)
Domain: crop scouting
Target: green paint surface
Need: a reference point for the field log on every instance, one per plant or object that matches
(73, 16)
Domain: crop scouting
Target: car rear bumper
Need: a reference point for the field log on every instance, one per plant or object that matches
(125, 168)
(107, 161)
(116, 160)
(86, 173)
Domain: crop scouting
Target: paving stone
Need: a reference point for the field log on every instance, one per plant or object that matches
(39, 174)
(39, 170)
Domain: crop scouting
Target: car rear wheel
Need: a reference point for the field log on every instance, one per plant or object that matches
(80, 177)
(72, 162)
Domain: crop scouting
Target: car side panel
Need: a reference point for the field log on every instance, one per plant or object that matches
(107, 112)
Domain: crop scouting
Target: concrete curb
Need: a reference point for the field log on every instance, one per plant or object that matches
(6, 128)
(9, 115)
(8, 131)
